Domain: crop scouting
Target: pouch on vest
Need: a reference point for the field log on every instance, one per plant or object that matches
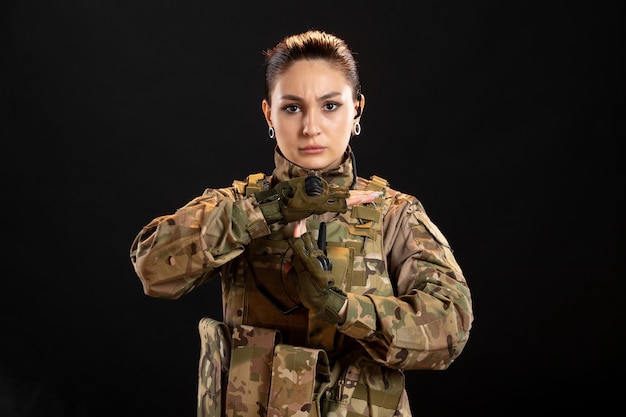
(249, 373)
(215, 346)
(366, 389)
(297, 375)
(250, 370)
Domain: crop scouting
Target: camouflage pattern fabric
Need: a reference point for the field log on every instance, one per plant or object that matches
(213, 367)
(409, 306)
(296, 372)
(365, 388)
(250, 371)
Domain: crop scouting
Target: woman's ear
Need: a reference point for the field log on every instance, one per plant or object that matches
(267, 111)
(360, 105)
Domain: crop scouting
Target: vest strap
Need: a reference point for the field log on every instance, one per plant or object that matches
(376, 397)
(377, 183)
(366, 213)
(254, 183)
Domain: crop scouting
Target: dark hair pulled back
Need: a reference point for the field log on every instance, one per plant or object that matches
(312, 44)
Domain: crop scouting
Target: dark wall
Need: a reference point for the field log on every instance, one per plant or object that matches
(504, 120)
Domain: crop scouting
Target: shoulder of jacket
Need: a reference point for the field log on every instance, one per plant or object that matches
(410, 204)
(374, 182)
(377, 183)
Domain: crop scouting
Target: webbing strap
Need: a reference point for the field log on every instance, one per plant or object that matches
(364, 230)
(377, 183)
(376, 397)
(366, 213)
(296, 371)
(254, 183)
(369, 217)
(375, 388)
(250, 368)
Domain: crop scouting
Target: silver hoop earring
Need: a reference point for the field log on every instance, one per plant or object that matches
(271, 132)
(357, 129)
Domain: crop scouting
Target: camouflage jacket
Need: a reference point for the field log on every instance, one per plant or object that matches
(409, 306)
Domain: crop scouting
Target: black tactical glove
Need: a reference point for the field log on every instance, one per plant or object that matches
(314, 280)
(301, 197)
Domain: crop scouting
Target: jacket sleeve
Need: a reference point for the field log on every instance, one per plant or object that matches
(175, 253)
(426, 326)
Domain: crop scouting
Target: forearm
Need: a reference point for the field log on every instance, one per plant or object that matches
(420, 330)
(175, 253)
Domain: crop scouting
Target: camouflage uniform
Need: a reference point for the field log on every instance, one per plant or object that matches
(409, 306)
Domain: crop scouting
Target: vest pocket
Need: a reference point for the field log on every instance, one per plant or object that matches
(342, 259)
(366, 389)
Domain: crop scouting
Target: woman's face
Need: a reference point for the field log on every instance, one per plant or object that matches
(312, 114)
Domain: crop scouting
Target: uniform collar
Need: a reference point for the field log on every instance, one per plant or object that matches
(342, 175)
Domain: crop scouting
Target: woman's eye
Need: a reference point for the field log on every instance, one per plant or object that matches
(331, 106)
(292, 108)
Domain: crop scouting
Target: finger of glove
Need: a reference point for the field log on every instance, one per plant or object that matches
(309, 244)
(314, 252)
(302, 203)
(337, 205)
(295, 203)
(326, 263)
(306, 259)
(335, 191)
(297, 245)
(305, 247)
(285, 189)
(334, 198)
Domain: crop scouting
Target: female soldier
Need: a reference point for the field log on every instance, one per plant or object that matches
(333, 284)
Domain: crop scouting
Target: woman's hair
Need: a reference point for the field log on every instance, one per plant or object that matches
(312, 44)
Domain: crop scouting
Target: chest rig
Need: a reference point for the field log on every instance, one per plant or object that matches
(256, 290)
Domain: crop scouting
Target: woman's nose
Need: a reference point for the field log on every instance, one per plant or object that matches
(311, 124)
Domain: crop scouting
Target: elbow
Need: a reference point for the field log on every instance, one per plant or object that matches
(161, 279)
(166, 290)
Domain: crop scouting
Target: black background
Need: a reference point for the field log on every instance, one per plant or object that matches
(503, 118)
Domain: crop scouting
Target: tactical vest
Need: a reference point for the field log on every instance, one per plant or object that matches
(270, 335)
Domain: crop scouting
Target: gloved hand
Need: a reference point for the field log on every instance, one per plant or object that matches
(314, 281)
(301, 197)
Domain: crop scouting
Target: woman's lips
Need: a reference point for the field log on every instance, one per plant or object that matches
(312, 150)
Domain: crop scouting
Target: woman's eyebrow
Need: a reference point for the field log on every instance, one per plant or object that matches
(324, 97)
